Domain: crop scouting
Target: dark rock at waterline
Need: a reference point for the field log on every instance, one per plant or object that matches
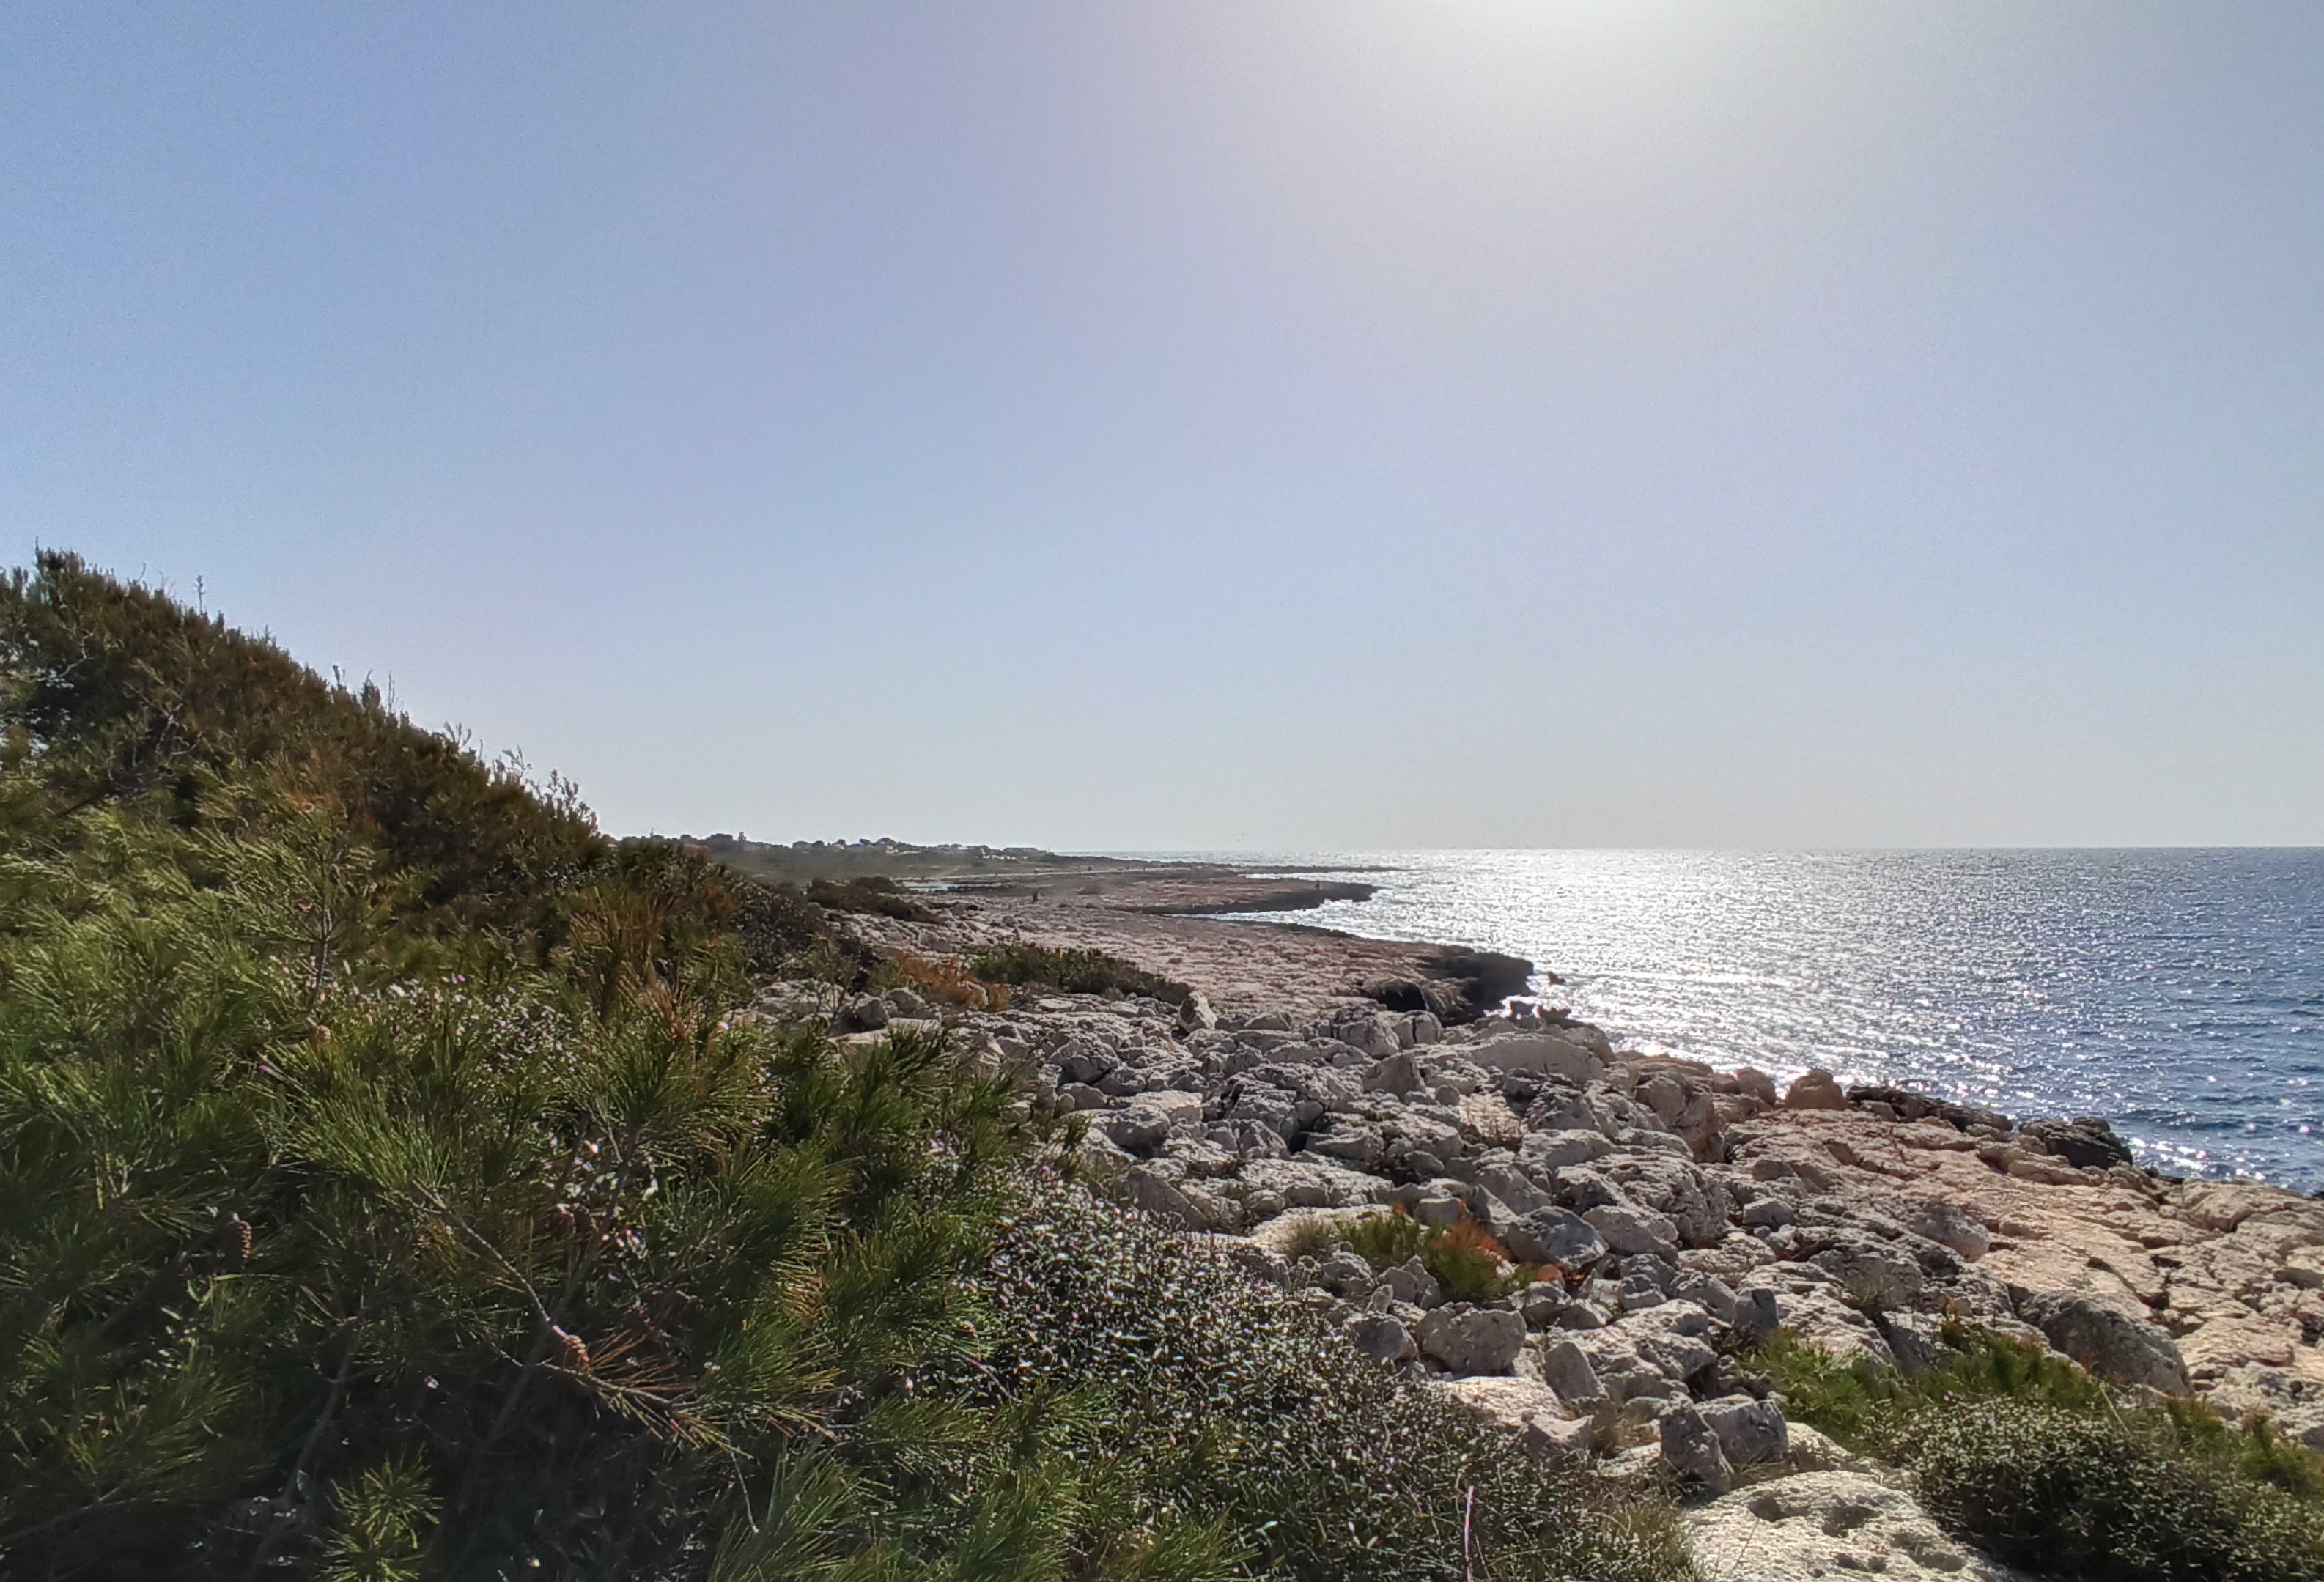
(1909, 1105)
(1458, 985)
(2082, 1142)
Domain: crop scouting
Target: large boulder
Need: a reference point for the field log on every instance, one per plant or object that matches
(1139, 1128)
(1693, 1450)
(1556, 1150)
(1818, 1089)
(1696, 1204)
(1526, 1408)
(1818, 1316)
(1251, 1101)
(1949, 1225)
(1344, 1274)
(2110, 1342)
(1348, 1142)
(1749, 1432)
(1374, 1034)
(1550, 1054)
(1303, 1185)
(1706, 1292)
(1673, 1338)
(2085, 1142)
(1487, 1121)
(1565, 1368)
(1382, 1336)
(1872, 1275)
(1410, 1282)
(1555, 1236)
(1628, 1229)
(1398, 1073)
(1472, 1339)
(1153, 1192)
(1082, 1059)
(1757, 1315)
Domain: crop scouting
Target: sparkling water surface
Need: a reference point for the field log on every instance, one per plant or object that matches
(2178, 993)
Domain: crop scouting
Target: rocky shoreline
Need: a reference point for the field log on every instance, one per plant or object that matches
(1678, 1212)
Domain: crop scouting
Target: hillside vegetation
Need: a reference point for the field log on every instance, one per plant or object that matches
(391, 1188)
(2045, 1467)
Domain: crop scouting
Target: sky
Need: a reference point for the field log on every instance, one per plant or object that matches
(1199, 425)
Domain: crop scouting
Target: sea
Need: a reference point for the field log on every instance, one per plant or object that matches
(2179, 994)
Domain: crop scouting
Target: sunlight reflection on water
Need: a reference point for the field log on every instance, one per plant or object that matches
(2179, 994)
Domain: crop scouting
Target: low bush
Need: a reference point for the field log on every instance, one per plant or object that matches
(1318, 1238)
(1385, 1240)
(1471, 1266)
(1215, 1400)
(948, 980)
(882, 896)
(2041, 1465)
(2086, 1495)
(1464, 1258)
(1073, 972)
(327, 1266)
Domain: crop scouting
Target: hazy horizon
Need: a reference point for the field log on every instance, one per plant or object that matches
(1261, 855)
(1213, 427)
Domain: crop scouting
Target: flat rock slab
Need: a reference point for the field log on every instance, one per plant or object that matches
(1828, 1525)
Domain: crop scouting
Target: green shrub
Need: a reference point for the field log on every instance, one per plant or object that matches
(387, 1189)
(2081, 1495)
(126, 696)
(1073, 972)
(1385, 1240)
(500, 1263)
(1216, 1400)
(882, 896)
(1465, 1260)
(1470, 1265)
(1850, 1400)
(1319, 1237)
(2043, 1465)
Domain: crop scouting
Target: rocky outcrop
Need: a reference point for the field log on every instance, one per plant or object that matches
(1815, 1526)
(1673, 1213)
(1670, 1215)
(1693, 1450)
(1455, 984)
(1471, 1340)
(2110, 1342)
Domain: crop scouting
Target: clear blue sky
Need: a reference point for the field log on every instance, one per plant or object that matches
(1200, 425)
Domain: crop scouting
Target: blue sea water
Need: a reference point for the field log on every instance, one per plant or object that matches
(2178, 993)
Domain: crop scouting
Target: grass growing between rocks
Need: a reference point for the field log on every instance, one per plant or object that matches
(947, 981)
(2045, 1467)
(1463, 1257)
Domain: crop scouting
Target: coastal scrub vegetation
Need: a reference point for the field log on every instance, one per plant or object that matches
(1464, 1258)
(1239, 1407)
(393, 1187)
(2045, 1467)
(948, 980)
(1073, 972)
(882, 896)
